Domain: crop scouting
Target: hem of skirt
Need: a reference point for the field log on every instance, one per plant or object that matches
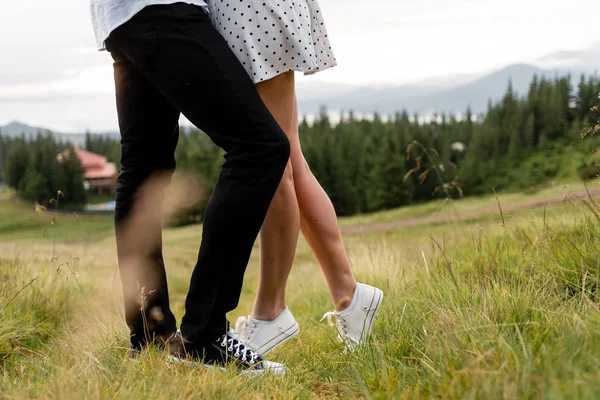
(304, 70)
(323, 68)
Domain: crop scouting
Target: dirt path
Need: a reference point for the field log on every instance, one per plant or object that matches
(506, 208)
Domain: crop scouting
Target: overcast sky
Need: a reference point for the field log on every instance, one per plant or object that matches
(52, 76)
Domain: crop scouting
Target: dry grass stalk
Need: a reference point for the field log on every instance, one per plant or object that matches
(499, 207)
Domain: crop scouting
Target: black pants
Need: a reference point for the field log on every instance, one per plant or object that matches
(169, 59)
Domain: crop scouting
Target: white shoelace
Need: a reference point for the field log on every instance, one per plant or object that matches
(244, 329)
(342, 328)
(235, 343)
(330, 316)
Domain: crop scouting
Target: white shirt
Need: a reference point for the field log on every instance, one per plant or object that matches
(108, 15)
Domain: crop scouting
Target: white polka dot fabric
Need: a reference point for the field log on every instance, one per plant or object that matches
(271, 37)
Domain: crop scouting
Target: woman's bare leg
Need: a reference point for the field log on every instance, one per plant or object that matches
(319, 225)
(300, 202)
(279, 234)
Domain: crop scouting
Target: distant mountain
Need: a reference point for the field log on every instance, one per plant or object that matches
(16, 129)
(427, 97)
(451, 94)
(477, 94)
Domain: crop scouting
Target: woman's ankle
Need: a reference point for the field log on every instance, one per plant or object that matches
(267, 313)
(343, 300)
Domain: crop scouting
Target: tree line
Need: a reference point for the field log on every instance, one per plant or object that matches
(383, 162)
(366, 165)
(31, 168)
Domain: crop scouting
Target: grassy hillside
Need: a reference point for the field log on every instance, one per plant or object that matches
(474, 308)
(459, 208)
(21, 221)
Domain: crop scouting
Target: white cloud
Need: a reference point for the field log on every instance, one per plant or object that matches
(399, 41)
(588, 59)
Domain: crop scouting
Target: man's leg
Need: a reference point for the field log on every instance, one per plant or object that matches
(178, 50)
(149, 132)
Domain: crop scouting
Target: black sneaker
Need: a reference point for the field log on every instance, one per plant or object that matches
(228, 349)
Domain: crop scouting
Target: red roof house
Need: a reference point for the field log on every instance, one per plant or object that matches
(101, 175)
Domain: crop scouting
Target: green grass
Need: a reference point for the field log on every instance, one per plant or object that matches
(493, 312)
(5, 193)
(100, 199)
(20, 222)
(458, 206)
(36, 301)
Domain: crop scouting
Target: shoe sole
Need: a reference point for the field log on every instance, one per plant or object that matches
(281, 371)
(280, 339)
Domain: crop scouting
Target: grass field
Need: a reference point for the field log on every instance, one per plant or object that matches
(475, 308)
(442, 208)
(99, 199)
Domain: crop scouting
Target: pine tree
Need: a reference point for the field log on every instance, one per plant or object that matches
(73, 190)
(34, 186)
(4, 148)
(88, 141)
(397, 191)
(17, 162)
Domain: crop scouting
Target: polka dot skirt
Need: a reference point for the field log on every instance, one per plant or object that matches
(271, 37)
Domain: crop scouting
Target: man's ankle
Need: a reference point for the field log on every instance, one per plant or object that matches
(155, 339)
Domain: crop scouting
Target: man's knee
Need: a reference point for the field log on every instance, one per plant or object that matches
(143, 182)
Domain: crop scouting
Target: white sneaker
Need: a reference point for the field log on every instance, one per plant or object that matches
(355, 323)
(264, 336)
